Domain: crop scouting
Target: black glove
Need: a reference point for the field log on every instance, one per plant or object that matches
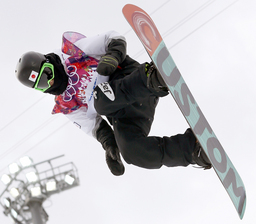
(107, 65)
(114, 161)
(115, 55)
(105, 136)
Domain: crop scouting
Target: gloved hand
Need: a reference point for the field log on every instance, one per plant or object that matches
(107, 65)
(114, 161)
(105, 136)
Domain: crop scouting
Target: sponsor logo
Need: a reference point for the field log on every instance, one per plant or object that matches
(107, 90)
(94, 85)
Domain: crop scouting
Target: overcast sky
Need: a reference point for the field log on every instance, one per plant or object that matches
(215, 51)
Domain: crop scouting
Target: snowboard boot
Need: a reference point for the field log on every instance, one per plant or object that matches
(200, 158)
(155, 81)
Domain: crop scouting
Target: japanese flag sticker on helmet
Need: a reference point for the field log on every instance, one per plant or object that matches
(33, 76)
(28, 68)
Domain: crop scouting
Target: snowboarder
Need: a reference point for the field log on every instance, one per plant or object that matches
(94, 77)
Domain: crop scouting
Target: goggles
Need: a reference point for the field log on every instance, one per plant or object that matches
(45, 76)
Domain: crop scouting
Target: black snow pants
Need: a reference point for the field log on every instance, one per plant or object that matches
(131, 112)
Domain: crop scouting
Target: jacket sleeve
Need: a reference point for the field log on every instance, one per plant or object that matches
(98, 46)
(82, 121)
(95, 127)
(105, 135)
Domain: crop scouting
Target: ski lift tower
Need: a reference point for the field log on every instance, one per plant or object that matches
(27, 187)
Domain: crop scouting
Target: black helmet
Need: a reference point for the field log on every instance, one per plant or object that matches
(28, 68)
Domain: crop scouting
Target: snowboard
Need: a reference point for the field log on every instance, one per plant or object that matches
(150, 37)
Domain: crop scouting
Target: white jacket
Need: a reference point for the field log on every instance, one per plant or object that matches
(86, 117)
